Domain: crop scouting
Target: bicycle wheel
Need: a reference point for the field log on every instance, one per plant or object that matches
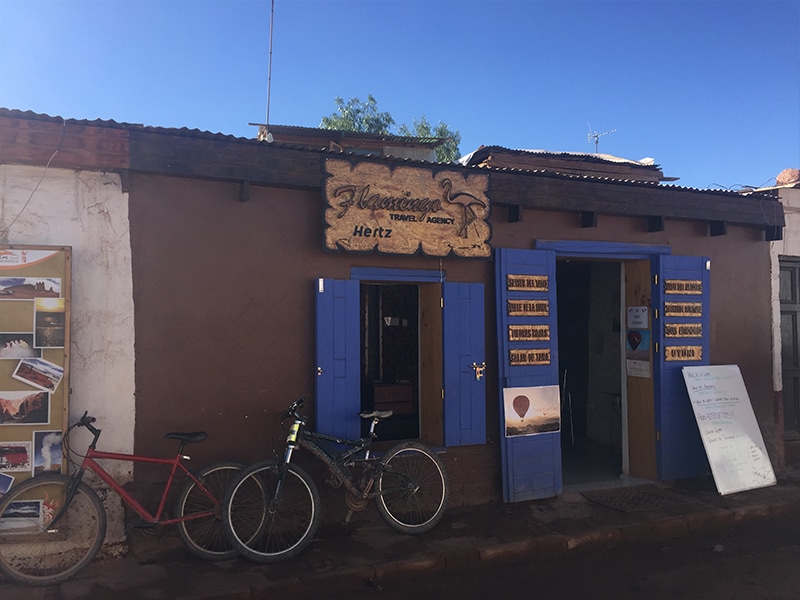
(412, 488)
(33, 553)
(205, 536)
(264, 530)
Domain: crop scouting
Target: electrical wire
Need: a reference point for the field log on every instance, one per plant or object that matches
(4, 232)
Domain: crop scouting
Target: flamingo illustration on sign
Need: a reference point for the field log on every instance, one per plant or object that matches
(466, 201)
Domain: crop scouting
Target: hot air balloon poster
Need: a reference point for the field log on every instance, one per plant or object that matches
(532, 410)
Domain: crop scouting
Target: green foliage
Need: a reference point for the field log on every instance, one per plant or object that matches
(356, 115)
(364, 117)
(448, 151)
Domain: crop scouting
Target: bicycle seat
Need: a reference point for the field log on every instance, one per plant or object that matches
(378, 414)
(189, 438)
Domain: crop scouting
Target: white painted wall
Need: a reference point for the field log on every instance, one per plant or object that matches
(89, 212)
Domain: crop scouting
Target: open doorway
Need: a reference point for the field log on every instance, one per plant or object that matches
(590, 359)
(390, 357)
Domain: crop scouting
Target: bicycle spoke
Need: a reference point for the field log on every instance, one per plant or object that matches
(204, 536)
(413, 488)
(264, 527)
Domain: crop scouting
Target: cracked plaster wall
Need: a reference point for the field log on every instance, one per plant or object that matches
(88, 211)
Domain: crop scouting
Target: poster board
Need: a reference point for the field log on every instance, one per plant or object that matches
(531, 410)
(728, 427)
(34, 369)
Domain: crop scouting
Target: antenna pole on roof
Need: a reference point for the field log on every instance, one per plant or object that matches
(269, 68)
(593, 135)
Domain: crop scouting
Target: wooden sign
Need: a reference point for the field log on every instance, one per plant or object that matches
(529, 357)
(673, 330)
(528, 308)
(404, 210)
(524, 333)
(683, 309)
(728, 427)
(527, 283)
(683, 286)
(680, 353)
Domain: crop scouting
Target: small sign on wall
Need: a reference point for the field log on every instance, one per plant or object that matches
(637, 353)
(683, 309)
(528, 308)
(637, 342)
(527, 283)
(638, 317)
(683, 286)
(683, 330)
(519, 333)
(528, 357)
(683, 353)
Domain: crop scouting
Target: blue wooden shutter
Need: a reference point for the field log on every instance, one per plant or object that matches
(679, 447)
(464, 344)
(338, 400)
(531, 464)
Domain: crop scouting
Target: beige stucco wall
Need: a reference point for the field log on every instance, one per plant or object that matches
(89, 212)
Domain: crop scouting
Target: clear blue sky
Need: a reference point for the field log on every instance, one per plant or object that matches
(709, 89)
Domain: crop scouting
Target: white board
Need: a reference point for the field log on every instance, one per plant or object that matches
(728, 426)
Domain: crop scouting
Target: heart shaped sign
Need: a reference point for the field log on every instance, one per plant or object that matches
(634, 339)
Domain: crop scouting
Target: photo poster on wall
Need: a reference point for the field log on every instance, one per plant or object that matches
(34, 370)
(532, 410)
(728, 427)
(637, 342)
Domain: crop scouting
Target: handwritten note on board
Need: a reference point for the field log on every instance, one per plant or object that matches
(728, 427)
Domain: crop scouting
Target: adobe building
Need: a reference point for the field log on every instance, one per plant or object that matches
(786, 311)
(528, 314)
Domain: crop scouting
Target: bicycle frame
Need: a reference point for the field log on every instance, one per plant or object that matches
(90, 463)
(337, 464)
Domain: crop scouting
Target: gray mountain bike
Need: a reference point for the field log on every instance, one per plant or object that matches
(271, 510)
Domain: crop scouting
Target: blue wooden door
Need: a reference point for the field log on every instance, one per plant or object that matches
(681, 337)
(338, 395)
(526, 300)
(464, 364)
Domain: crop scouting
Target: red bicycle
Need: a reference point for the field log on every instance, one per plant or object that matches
(53, 525)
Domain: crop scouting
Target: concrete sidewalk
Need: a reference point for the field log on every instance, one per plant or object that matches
(367, 551)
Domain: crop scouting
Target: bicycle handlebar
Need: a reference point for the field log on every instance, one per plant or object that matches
(292, 410)
(85, 420)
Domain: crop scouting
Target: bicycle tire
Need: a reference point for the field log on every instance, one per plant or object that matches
(263, 537)
(34, 554)
(205, 537)
(412, 488)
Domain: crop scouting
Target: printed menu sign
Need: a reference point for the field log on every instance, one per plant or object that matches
(728, 427)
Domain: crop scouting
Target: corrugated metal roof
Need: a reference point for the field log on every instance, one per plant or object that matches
(353, 135)
(581, 156)
(196, 133)
(184, 131)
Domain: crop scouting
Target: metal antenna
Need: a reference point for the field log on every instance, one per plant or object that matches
(593, 135)
(269, 69)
